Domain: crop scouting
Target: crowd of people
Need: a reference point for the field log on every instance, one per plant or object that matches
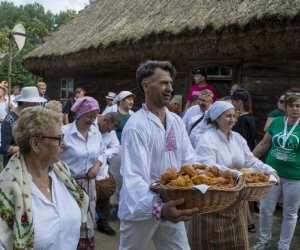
(67, 166)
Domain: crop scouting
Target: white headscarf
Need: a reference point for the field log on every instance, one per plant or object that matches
(217, 109)
(121, 96)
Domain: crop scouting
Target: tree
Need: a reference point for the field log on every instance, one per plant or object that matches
(63, 17)
(37, 22)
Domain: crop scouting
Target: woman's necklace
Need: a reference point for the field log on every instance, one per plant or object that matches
(45, 186)
(286, 134)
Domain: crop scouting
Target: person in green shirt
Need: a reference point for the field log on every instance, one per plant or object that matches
(282, 142)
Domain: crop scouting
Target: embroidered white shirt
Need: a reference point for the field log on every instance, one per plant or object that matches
(148, 149)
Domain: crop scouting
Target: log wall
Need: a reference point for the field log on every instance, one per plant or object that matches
(267, 77)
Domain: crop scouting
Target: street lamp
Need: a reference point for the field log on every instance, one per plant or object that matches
(18, 32)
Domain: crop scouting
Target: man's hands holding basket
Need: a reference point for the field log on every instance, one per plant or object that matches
(171, 213)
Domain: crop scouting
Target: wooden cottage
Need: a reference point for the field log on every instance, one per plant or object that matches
(252, 42)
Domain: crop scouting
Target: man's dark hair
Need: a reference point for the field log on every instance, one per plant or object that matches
(147, 68)
(199, 71)
(17, 87)
(78, 90)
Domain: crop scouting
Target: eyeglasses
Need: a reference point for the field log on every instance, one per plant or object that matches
(293, 94)
(293, 106)
(58, 138)
(281, 101)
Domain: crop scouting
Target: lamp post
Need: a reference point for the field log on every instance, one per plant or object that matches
(18, 32)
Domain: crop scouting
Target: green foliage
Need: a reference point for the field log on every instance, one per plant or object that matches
(37, 22)
(63, 17)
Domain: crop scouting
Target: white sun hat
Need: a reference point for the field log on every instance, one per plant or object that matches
(111, 95)
(122, 95)
(30, 94)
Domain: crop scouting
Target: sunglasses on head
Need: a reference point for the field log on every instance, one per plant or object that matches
(293, 94)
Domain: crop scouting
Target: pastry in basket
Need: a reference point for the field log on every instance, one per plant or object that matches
(215, 171)
(208, 174)
(182, 181)
(188, 169)
(228, 175)
(168, 176)
(203, 179)
(188, 177)
(199, 166)
(254, 177)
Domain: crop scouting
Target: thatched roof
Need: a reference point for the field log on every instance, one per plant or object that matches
(107, 25)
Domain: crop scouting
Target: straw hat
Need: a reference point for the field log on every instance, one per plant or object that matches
(111, 95)
(30, 94)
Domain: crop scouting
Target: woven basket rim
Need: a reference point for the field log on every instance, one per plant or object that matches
(238, 187)
(259, 184)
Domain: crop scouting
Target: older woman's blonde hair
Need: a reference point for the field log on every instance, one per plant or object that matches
(54, 106)
(34, 122)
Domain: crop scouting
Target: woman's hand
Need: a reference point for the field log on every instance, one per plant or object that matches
(274, 178)
(93, 171)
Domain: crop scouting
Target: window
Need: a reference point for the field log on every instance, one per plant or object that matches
(218, 72)
(67, 88)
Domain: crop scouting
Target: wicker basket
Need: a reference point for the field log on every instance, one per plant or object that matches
(254, 191)
(215, 198)
(106, 187)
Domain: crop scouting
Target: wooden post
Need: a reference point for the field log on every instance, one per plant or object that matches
(9, 65)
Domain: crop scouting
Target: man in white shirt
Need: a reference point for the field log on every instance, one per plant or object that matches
(109, 100)
(107, 125)
(15, 95)
(198, 123)
(122, 104)
(193, 113)
(153, 140)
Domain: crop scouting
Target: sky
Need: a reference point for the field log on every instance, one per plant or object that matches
(55, 6)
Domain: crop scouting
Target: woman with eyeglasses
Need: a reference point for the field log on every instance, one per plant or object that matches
(41, 205)
(84, 153)
(279, 111)
(282, 142)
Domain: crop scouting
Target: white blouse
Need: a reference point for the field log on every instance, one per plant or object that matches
(56, 224)
(80, 154)
(214, 148)
(189, 116)
(147, 151)
(112, 147)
